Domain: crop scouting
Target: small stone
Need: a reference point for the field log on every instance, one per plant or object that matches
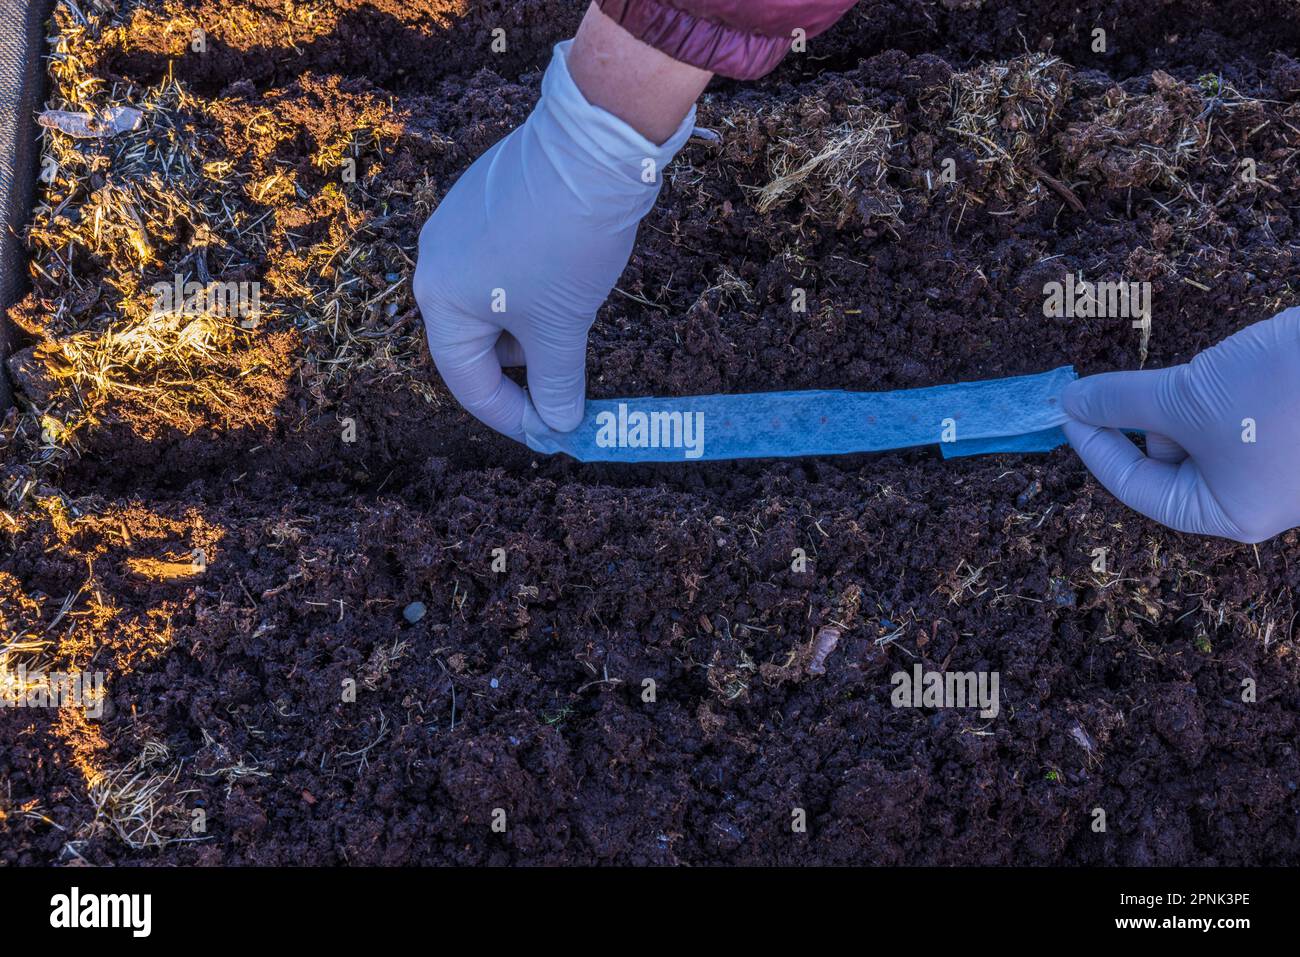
(824, 643)
(494, 683)
(1025, 497)
(414, 611)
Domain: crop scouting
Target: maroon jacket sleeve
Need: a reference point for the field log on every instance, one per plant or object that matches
(742, 39)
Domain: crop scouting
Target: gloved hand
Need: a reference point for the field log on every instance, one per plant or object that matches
(1223, 434)
(524, 249)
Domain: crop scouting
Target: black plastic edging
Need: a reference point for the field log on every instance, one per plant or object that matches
(22, 84)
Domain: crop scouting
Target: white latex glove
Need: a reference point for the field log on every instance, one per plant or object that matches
(525, 248)
(1223, 434)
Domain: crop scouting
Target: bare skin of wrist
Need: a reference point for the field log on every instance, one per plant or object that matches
(648, 90)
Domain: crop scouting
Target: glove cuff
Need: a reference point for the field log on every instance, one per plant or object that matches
(602, 137)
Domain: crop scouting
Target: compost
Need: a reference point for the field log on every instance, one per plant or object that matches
(341, 622)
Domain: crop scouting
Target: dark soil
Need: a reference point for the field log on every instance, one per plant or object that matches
(523, 690)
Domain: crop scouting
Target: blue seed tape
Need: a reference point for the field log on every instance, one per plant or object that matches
(1020, 414)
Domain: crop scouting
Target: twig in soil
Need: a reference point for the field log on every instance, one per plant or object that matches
(272, 592)
(452, 684)
(67, 606)
(363, 761)
(644, 302)
(31, 809)
(892, 639)
(606, 680)
(968, 579)
(1058, 187)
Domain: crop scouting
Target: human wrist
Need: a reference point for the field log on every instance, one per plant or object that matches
(647, 89)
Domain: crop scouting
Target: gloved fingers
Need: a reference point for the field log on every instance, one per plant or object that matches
(1164, 449)
(509, 352)
(1125, 400)
(1144, 484)
(557, 379)
(473, 373)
